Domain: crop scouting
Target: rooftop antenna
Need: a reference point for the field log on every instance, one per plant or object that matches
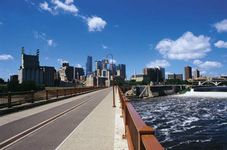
(22, 50)
(37, 52)
(134, 72)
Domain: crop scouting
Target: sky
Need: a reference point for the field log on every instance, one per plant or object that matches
(139, 33)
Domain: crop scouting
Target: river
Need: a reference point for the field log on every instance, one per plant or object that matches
(187, 122)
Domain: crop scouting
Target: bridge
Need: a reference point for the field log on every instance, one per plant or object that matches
(211, 81)
(78, 118)
(216, 83)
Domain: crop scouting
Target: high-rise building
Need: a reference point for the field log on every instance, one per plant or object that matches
(89, 65)
(66, 73)
(78, 73)
(14, 78)
(156, 74)
(104, 63)
(49, 74)
(30, 69)
(112, 68)
(175, 76)
(162, 70)
(188, 72)
(98, 64)
(121, 71)
(196, 73)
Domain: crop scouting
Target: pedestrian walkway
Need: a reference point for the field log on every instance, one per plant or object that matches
(102, 129)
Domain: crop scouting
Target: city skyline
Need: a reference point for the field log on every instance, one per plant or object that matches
(148, 34)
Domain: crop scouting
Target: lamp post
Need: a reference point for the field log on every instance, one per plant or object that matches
(113, 78)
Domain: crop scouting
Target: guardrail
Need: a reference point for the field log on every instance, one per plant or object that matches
(17, 98)
(138, 134)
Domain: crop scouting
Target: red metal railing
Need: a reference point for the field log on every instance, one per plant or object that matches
(138, 134)
(16, 98)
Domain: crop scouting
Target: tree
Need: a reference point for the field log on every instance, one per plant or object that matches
(2, 81)
(119, 81)
(13, 86)
(28, 85)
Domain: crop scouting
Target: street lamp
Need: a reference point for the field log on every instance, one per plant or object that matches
(113, 78)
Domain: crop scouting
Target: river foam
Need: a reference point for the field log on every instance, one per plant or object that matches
(193, 93)
(186, 122)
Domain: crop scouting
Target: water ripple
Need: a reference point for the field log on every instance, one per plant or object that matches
(187, 122)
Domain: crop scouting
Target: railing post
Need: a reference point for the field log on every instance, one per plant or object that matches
(32, 96)
(9, 100)
(64, 92)
(46, 94)
(57, 93)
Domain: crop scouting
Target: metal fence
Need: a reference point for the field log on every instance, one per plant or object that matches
(18, 98)
(139, 135)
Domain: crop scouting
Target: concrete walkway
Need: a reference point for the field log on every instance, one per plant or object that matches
(28, 112)
(102, 129)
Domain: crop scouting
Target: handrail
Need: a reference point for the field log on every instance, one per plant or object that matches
(139, 123)
(17, 93)
(150, 142)
(139, 135)
(16, 98)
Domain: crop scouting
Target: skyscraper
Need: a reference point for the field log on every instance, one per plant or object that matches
(121, 71)
(78, 72)
(156, 74)
(66, 73)
(89, 65)
(188, 72)
(196, 73)
(98, 64)
(30, 70)
(162, 71)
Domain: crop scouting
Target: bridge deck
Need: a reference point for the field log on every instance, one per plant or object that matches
(87, 120)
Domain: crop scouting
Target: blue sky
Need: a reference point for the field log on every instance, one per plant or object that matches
(138, 33)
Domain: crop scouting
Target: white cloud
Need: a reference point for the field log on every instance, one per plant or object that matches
(186, 47)
(112, 61)
(55, 5)
(220, 44)
(45, 6)
(79, 65)
(104, 47)
(61, 61)
(39, 35)
(51, 42)
(161, 63)
(43, 36)
(69, 1)
(207, 65)
(95, 23)
(6, 57)
(221, 26)
(67, 6)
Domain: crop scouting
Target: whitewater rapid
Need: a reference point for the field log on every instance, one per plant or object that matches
(213, 94)
(187, 122)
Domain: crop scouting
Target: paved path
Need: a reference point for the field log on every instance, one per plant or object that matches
(84, 123)
(52, 134)
(101, 130)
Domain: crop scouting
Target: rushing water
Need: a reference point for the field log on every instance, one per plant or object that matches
(187, 123)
